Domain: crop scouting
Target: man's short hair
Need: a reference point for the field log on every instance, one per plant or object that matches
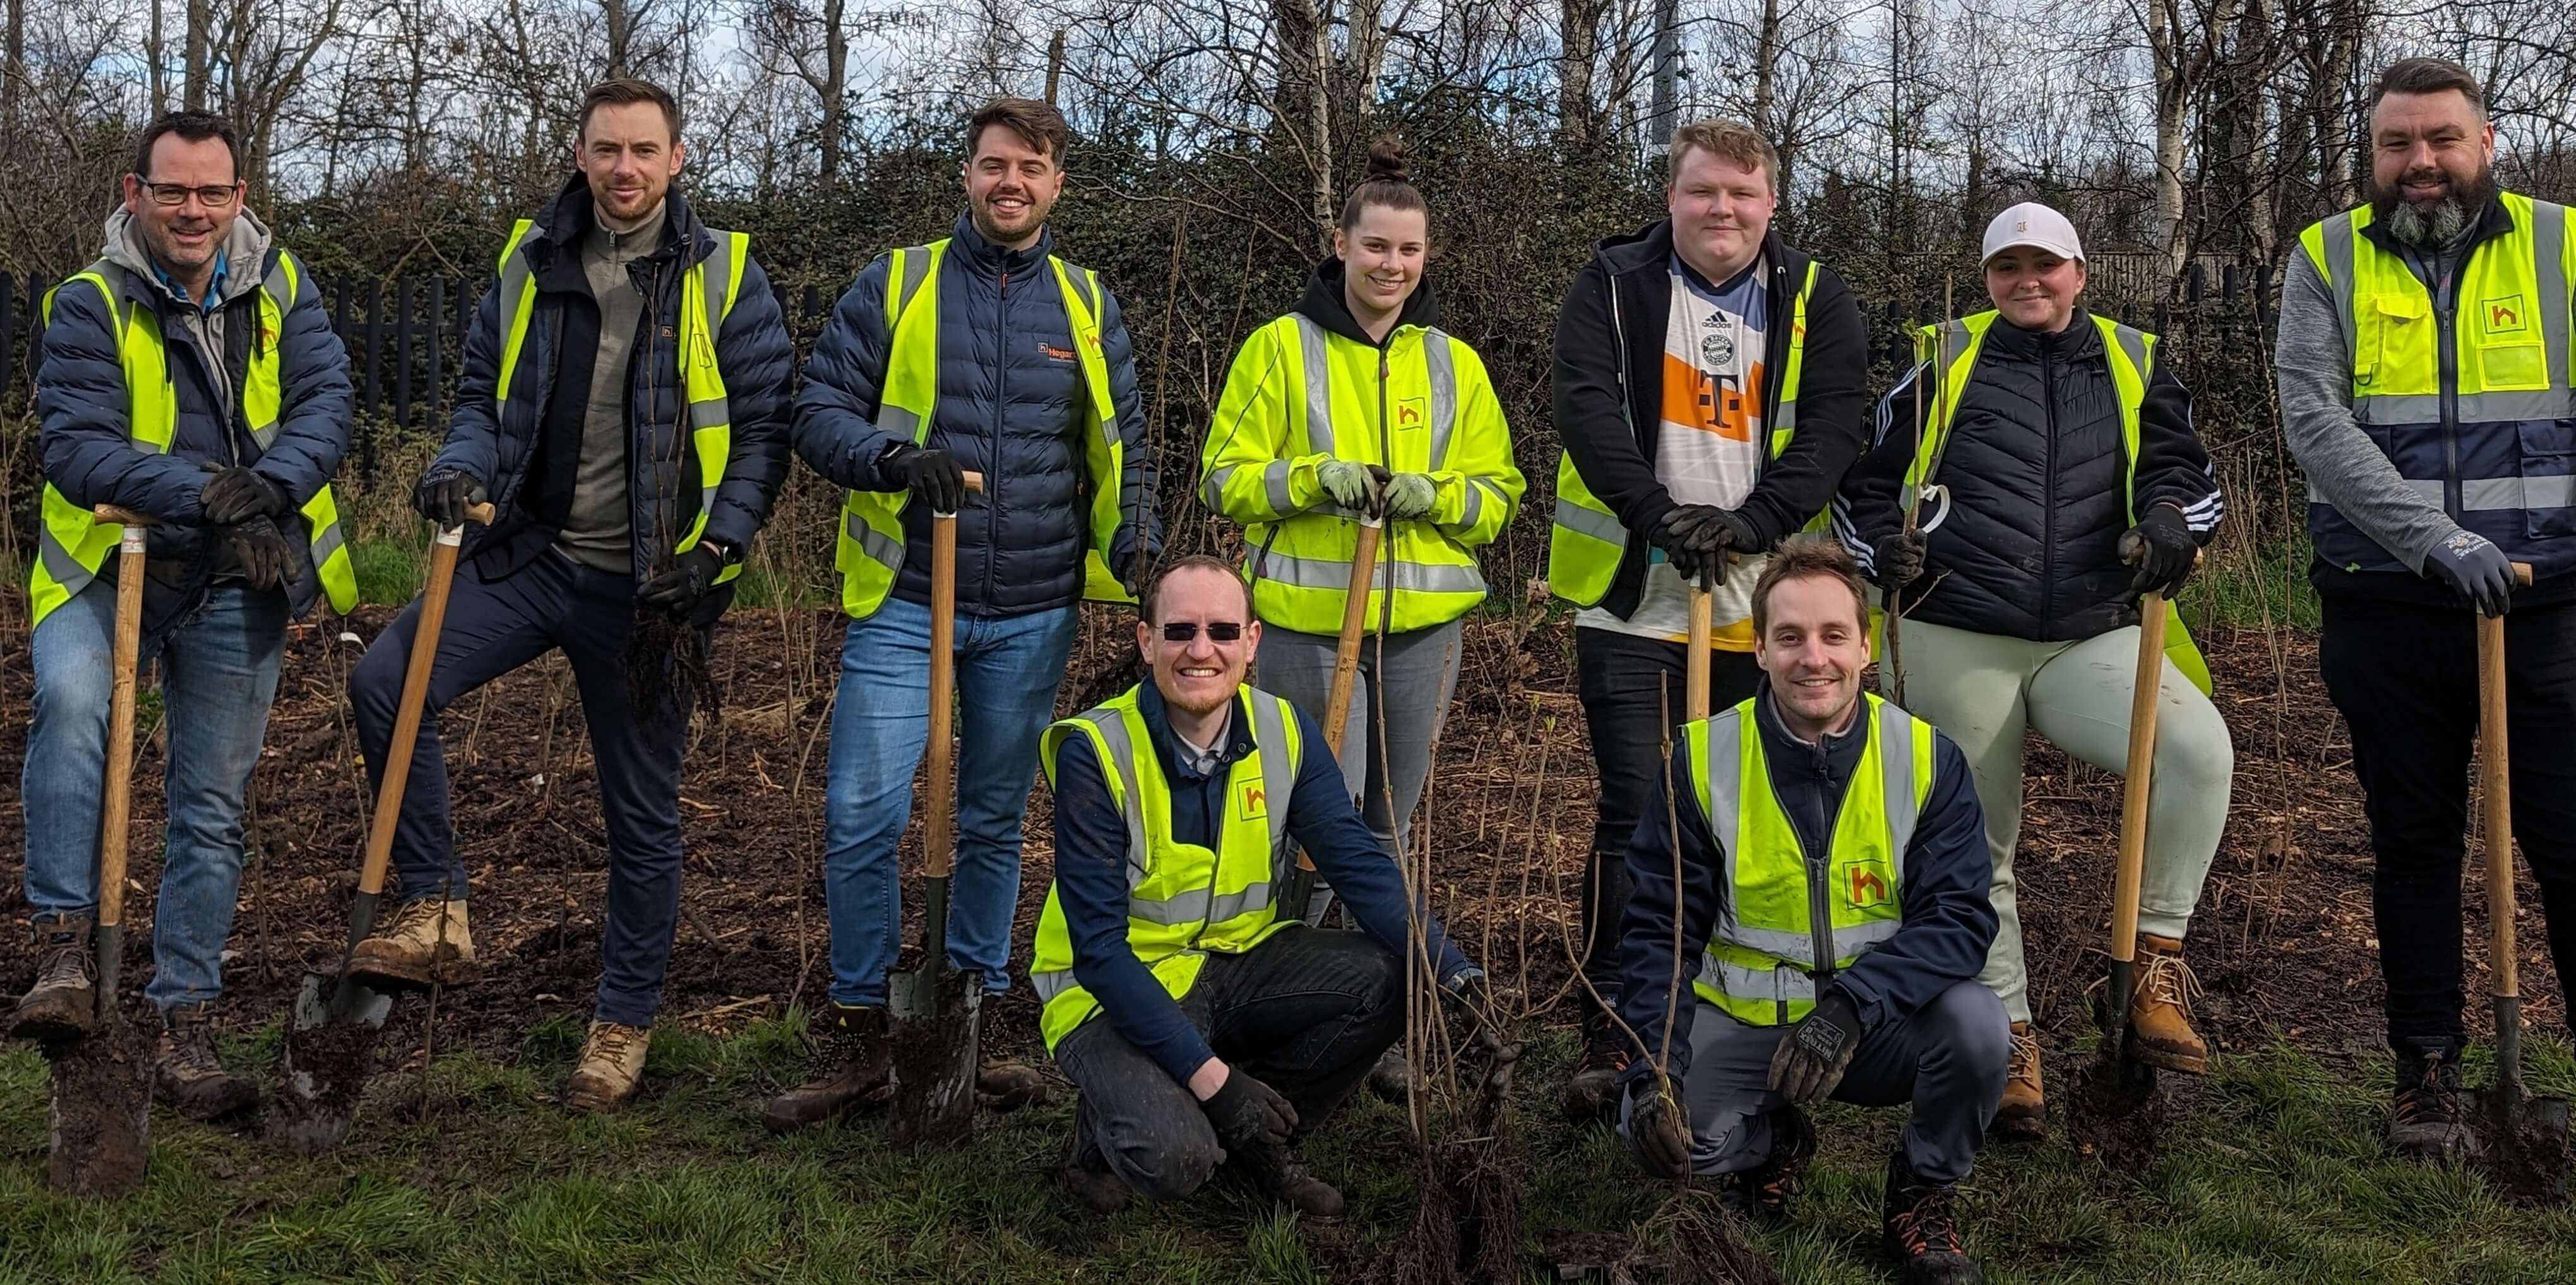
(626, 91)
(1802, 556)
(1151, 602)
(1040, 126)
(1732, 139)
(190, 126)
(2430, 76)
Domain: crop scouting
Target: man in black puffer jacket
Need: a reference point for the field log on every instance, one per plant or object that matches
(982, 353)
(2074, 481)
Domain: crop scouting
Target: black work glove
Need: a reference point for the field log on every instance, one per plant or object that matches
(2163, 548)
(445, 494)
(1696, 538)
(267, 560)
(1247, 1113)
(2472, 567)
(1659, 1126)
(678, 589)
(1140, 573)
(935, 476)
(1812, 1057)
(1899, 559)
(237, 493)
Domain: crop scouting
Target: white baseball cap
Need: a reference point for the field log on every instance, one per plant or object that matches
(2033, 224)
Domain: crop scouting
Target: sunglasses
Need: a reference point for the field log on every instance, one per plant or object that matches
(1181, 631)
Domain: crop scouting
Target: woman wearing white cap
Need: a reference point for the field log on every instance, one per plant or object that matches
(2065, 479)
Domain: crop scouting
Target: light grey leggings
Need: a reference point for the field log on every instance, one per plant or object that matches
(1984, 689)
(1408, 683)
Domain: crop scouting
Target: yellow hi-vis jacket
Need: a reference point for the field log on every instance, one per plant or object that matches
(1787, 918)
(71, 545)
(1299, 396)
(1184, 901)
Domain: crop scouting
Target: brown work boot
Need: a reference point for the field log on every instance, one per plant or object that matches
(63, 1004)
(852, 1062)
(1277, 1173)
(186, 1075)
(2160, 1012)
(611, 1067)
(2024, 1111)
(425, 943)
(1003, 1086)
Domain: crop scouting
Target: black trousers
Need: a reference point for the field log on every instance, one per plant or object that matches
(1632, 690)
(2405, 677)
(1307, 1012)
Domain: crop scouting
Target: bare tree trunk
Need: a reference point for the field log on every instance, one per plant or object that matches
(2182, 59)
(1766, 70)
(1055, 67)
(2334, 138)
(1368, 56)
(1578, 117)
(1320, 108)
(1668, 71)
(620, 20)
(16, 71)
(156, 53)
(836, 85)
(200, 18)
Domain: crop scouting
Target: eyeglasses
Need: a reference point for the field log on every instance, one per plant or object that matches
(1181, 631)
(211, 197)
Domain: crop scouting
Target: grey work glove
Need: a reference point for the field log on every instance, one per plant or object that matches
(1248, 1113)
(1659, 1126)
(2471, 566)
(1409, 495)
(1352, 486)
(1812, 1057)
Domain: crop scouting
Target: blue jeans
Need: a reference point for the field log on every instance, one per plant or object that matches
(218, 669)
(1008, 668)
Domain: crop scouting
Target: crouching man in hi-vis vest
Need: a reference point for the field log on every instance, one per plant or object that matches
(623, 405)
(191, 375)
(1833, 918)
(1201, 1023)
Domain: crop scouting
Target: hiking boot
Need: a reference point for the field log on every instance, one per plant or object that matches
(63, 1004)
(1592, 1096)
(611, 1067)
(1086, 1170)
(1277, 1173)
(1762, 1192)
(1004, 1086)
(852, 1062)
(425, 943)
(1920, 1229)
(2431, 1119)
(185, 1074)
(2160, 1013)
(2023, 1113)
(1389, 1077)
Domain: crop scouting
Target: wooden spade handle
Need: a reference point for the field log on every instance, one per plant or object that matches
(2495, 803)
(115, 819)
(417, 669)
(939, 827)
(1699, 653)
(2138, 773)
(1346, 649)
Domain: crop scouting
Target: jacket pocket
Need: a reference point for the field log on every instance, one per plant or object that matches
(2512, 366)
(2396, 334)
(2548, 448)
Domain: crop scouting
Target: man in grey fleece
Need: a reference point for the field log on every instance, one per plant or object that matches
(2423, 367)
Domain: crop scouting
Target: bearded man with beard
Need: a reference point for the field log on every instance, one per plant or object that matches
(2423, 366)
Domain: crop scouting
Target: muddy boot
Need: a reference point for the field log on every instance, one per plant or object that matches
(851, 1062)
(1592, 1096)
(2160, 1013)
(1086, 1171)
(611, 1067)
(425, 942)
(1388, 1077)
(2024, 1112)
(1277, 1173)
(1919, 1227)
(185, 1074)
(63, 1004)
(2431, 1119)
(1003, 1086)
(1762, 1192)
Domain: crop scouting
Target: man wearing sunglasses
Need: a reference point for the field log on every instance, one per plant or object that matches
(191, 375)
(1230, 1030)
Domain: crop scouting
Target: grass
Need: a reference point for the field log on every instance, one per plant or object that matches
(2274, 1176)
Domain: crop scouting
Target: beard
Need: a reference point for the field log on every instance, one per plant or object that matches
(2437, 222)
(990, 225)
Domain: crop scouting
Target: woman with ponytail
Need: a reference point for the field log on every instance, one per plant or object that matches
(1356, 406)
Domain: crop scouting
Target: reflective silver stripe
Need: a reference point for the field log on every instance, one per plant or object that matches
(2133, 342)
(1212, 491)
(1592, 522)
(1048, 985)
(2486, 494)
(278, 285)
(1319, 393)
(712, 412)
(1474, 504)
(1782, 985)
(1723, 808)
(1419, 577)
(1274, 484)
(1895, 732)
(1955, 342)
(1270, 740)
(2549, 238)
(326, 542)
(1082, 281)
(1121, 753)
(719, 278)
(916, 267)
(2474, 408)
(514, 284)
(880, 549)
(60, 566)
(899, 422)
(2428, 491)
(1444, 394)
(2339, 234)
(1770, 941)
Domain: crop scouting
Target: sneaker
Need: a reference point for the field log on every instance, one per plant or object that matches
(1762, 1192)
(63, 1004)
(2023, 1114)
(186, 1075)
(2430, 1121)
(2160, 1013)
(1592, 1095)
(852, 1063)
(424, 944)
(611, 1067)
(1920, 1229)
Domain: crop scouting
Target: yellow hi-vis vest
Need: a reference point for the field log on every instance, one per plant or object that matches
(2132, 358)
(71, 545)
(1184, 901)
(1790, 915)
(707, 295)
(1584, 549)
(871, 550)
(1300, 396)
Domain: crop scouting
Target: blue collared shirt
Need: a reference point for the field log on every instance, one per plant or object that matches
(214, 285)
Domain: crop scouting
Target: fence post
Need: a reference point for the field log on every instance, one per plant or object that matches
(375, 330)
(9, 327)
(402, 352)
(437, 347)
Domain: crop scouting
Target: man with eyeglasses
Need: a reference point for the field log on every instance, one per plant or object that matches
(190, 374)
(1200, 1023)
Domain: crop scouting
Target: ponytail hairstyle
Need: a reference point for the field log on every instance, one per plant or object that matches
(1388, 182)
